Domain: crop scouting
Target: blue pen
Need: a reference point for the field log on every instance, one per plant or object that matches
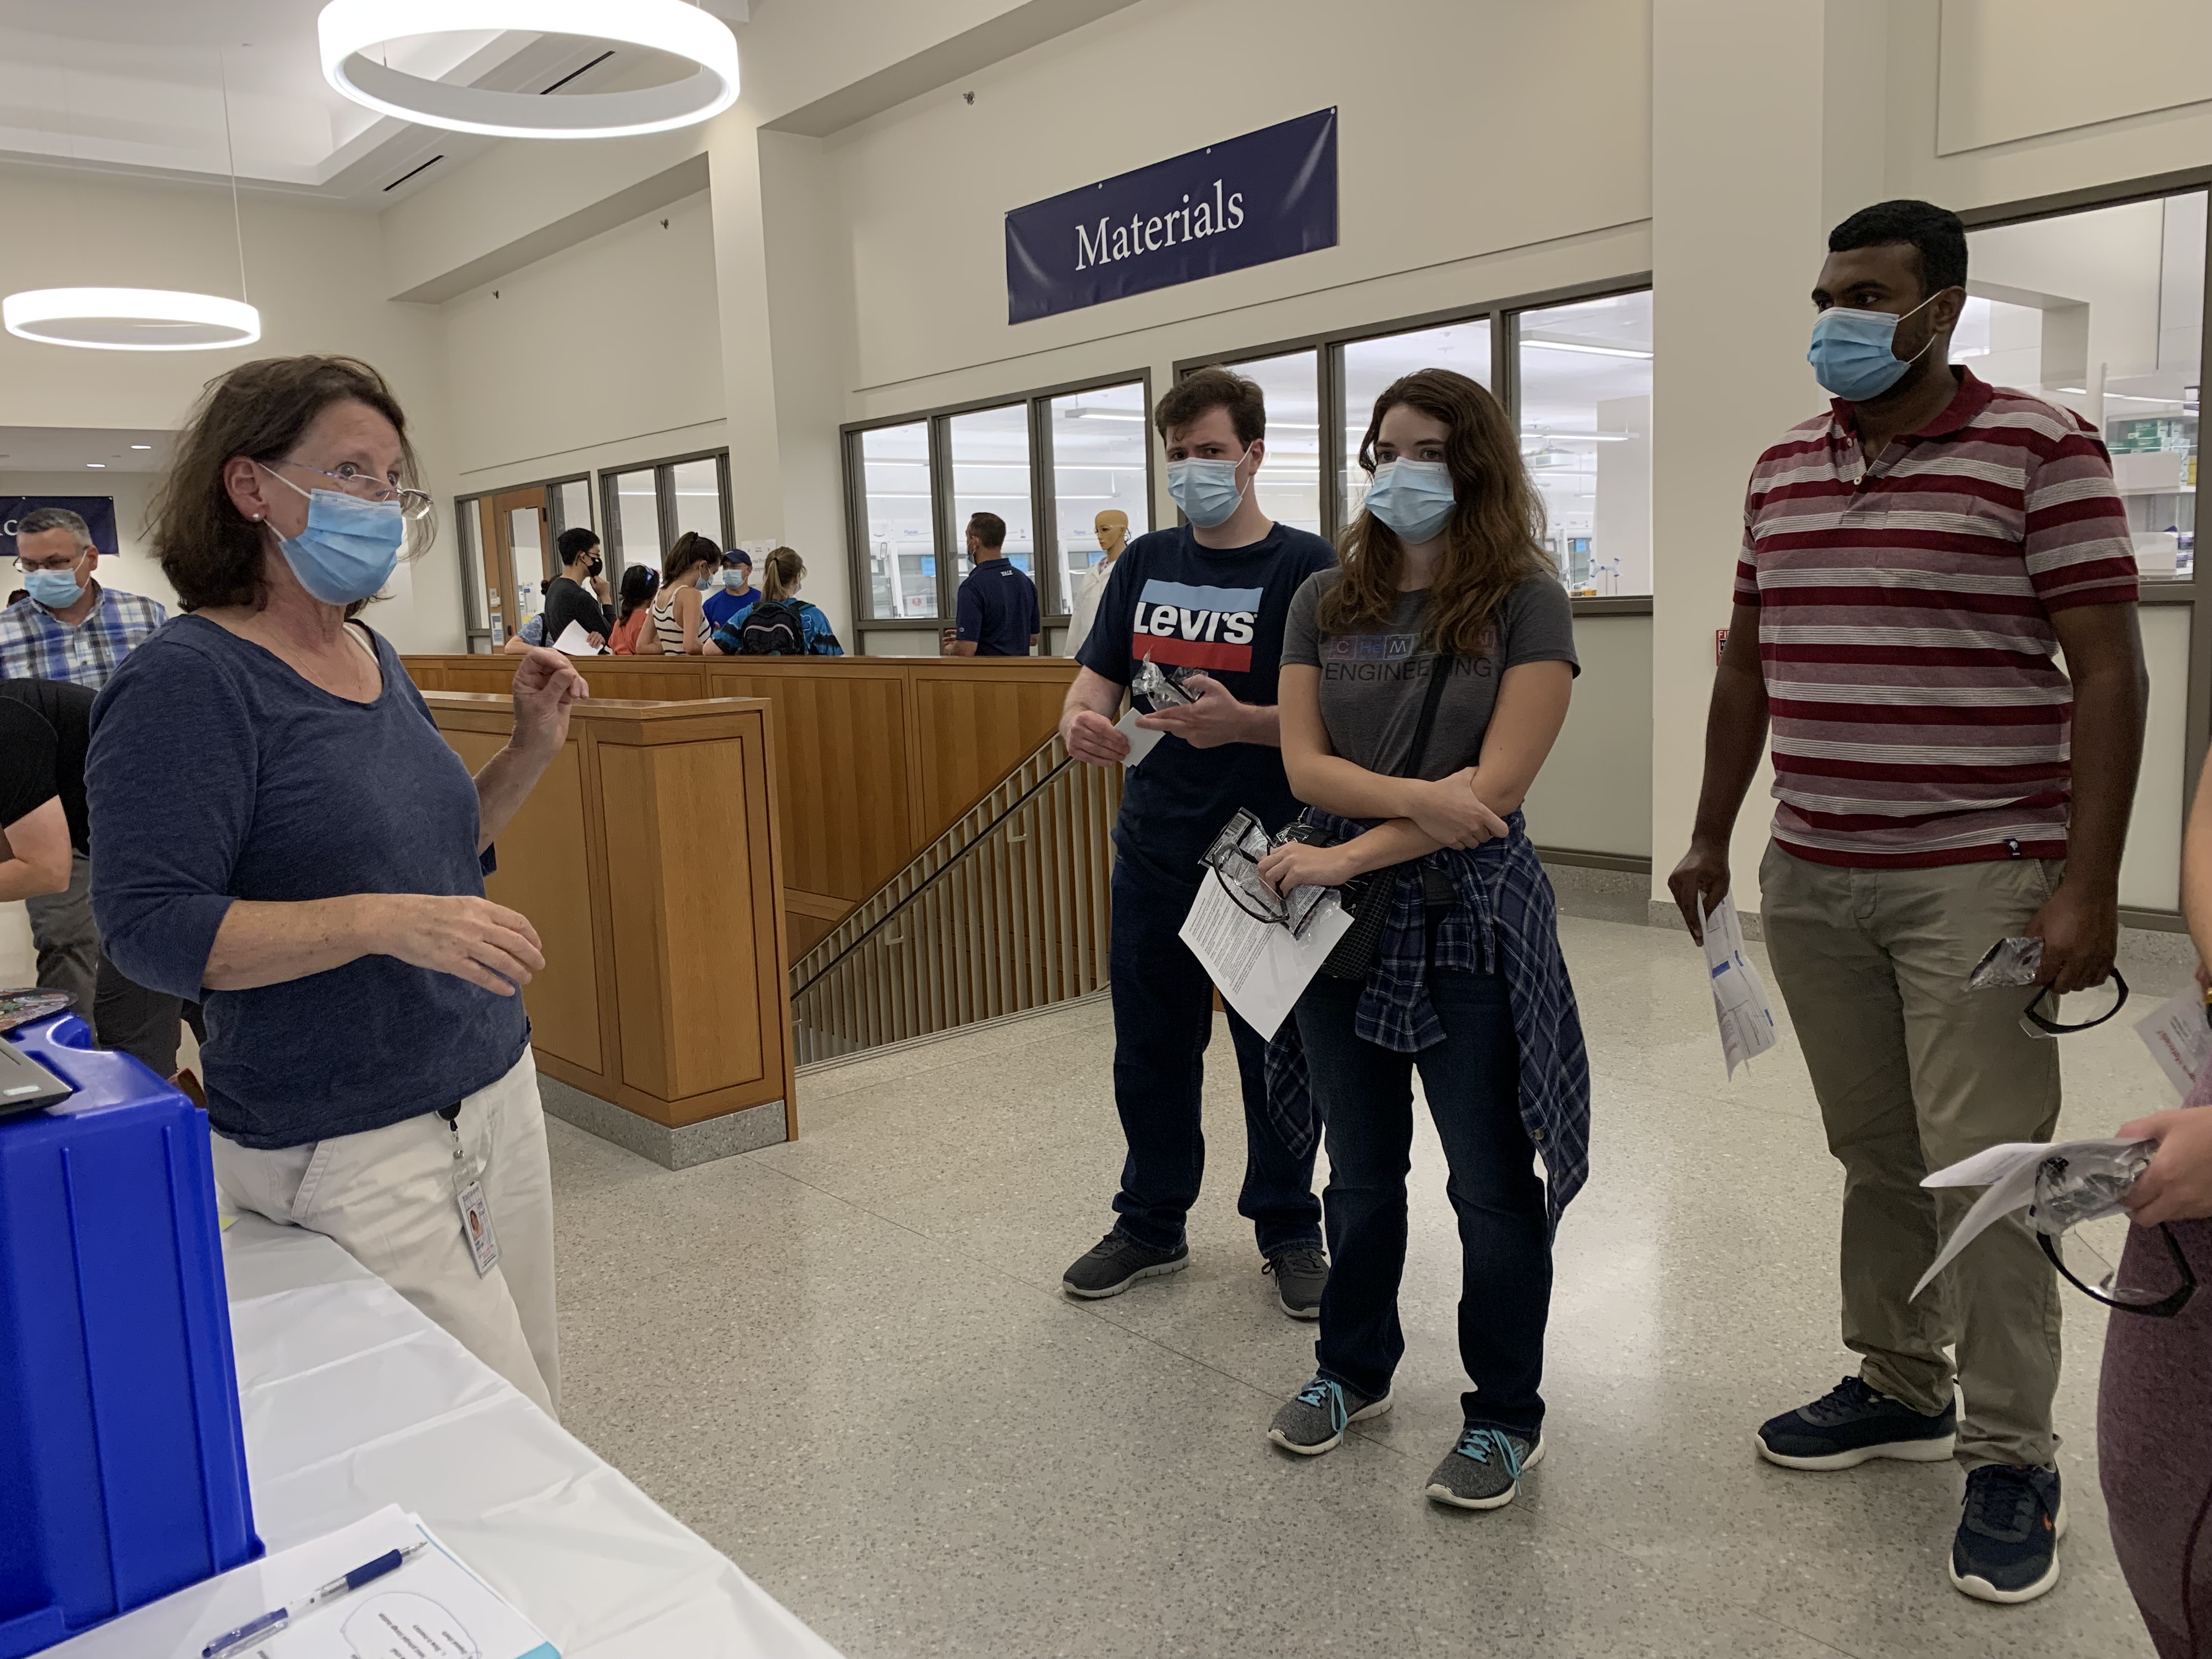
(367, 1572)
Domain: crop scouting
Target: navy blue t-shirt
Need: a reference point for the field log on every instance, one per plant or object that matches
(996, 609)
(216, 773)
(1221, 610)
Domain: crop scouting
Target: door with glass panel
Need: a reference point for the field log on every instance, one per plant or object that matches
(517, 547)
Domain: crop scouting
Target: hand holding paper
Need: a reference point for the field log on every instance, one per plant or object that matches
(576, 641)
(1740, 1000)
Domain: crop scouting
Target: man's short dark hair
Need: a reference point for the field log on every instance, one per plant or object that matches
(576, 542)
(1214, 387)
(1937, 232)
(988, 528)
(39, 519)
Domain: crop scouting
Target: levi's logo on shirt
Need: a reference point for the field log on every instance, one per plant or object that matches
(1196, 627)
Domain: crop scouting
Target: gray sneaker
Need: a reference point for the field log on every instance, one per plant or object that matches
(1117, 1261)
(1484, 1470)
(1314, 1422)
(1301, 1275)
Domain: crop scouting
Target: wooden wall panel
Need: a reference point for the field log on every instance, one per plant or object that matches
(971, 734)
(540, 854)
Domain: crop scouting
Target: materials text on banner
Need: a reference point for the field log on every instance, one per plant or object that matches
(1266, 195)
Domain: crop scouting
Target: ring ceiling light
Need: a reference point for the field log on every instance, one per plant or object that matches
(131, 319)
(350, 29)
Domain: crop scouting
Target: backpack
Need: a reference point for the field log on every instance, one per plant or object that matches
(772, 627)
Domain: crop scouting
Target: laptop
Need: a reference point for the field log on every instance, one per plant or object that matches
(26, 1085)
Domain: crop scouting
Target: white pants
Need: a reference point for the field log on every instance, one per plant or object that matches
(387, 1196)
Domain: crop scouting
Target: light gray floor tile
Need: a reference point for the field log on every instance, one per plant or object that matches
(848, 1363)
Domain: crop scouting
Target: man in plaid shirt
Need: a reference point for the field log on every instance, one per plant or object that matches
(70, 629)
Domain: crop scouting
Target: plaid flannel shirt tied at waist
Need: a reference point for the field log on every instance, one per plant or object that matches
(1506, 923)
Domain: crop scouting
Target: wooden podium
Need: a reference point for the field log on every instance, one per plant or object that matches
(663, 1016)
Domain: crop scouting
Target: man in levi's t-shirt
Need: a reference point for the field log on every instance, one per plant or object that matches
(1211, 597)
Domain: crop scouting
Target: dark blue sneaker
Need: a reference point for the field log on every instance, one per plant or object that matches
(2006, 1549)
(1851, 1424)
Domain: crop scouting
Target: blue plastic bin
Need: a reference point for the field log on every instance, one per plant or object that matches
(122, 1464)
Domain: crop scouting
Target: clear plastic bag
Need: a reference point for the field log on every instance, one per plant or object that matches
(1162, 688)
(2085, 1185)
(1235, 858)
(2009, 961)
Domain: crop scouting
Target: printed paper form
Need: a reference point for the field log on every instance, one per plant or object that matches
(1260, 968)
(575, 641)
(2008, 1172)
(2178, 1038)
(1740, 1004)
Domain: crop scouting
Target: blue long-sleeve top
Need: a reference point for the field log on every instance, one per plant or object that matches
(216, 773)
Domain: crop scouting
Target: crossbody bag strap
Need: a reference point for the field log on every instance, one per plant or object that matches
(1429, 701)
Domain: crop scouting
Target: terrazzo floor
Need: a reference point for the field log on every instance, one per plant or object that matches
(847, 1361)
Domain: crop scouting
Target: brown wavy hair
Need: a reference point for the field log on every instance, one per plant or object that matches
(209, 550)
(1493, 541)
(687, 550)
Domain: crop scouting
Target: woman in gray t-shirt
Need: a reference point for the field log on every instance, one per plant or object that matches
(1442, 574)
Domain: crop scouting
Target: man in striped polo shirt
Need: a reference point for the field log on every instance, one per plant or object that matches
(1913, 559)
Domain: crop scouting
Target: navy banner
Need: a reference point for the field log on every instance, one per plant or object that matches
(1268, 195)
(98, 512)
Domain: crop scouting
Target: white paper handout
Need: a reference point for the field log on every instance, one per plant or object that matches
(2008, 1172)
(1740, 1000)
(2178, 1038)
(1141, 739)
(576, 641)
(433, 1607)
(1259, 966)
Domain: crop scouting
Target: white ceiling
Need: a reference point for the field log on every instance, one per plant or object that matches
(138, 86)
(73, 448)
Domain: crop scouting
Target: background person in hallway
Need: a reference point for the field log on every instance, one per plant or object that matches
(74, 629)
(996, 613)
(782, 624)
(45, 727)
(736, 594)
(639, 584)
(280, 822)
(578, 593)
(679, 625)
(1911, 560)
(1112, 529)
(2153, 1441)
(1212, 594)
(1444, 574)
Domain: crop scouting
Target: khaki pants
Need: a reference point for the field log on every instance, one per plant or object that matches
(388, 1197)
(1914, 1071)
(68, 942)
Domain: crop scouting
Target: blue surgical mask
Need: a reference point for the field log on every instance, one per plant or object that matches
(734, 579)
(56, 590)
(350, 548)
(1853, 353)
(1207, 491)
(1414, 498)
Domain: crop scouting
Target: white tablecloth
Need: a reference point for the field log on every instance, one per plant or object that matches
(352, 1400)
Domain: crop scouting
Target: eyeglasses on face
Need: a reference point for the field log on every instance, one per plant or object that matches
(413, 503)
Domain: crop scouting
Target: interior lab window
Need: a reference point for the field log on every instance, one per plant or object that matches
(1367, 368)
(990, 455)
(1585, 372)
(696, 496)
(572, 504)
(901, 541)
(2103, 312)
(637, 518)
(1289, 480)
(1100, 445)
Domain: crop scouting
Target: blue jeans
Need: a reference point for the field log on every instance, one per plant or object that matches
(1163, 1020)
(1472, 1080)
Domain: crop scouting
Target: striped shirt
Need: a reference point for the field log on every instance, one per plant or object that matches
(37, 645)
(1919, 713)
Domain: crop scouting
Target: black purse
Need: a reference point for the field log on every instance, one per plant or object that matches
(1368, 897)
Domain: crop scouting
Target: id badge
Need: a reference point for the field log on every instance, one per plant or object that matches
(476, 1227)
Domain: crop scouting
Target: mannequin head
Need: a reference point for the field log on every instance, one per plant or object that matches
(1112, 527)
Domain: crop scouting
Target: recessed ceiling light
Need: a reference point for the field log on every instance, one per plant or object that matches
(350, 30)
(142, 446)
(102, 465)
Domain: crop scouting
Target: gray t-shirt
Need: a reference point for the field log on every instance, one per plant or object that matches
(1373, 684)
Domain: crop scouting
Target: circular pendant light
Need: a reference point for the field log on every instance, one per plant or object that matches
(350, 28)
(131, 319)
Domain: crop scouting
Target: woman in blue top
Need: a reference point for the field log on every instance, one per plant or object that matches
(1423, 682)
(287, 838)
